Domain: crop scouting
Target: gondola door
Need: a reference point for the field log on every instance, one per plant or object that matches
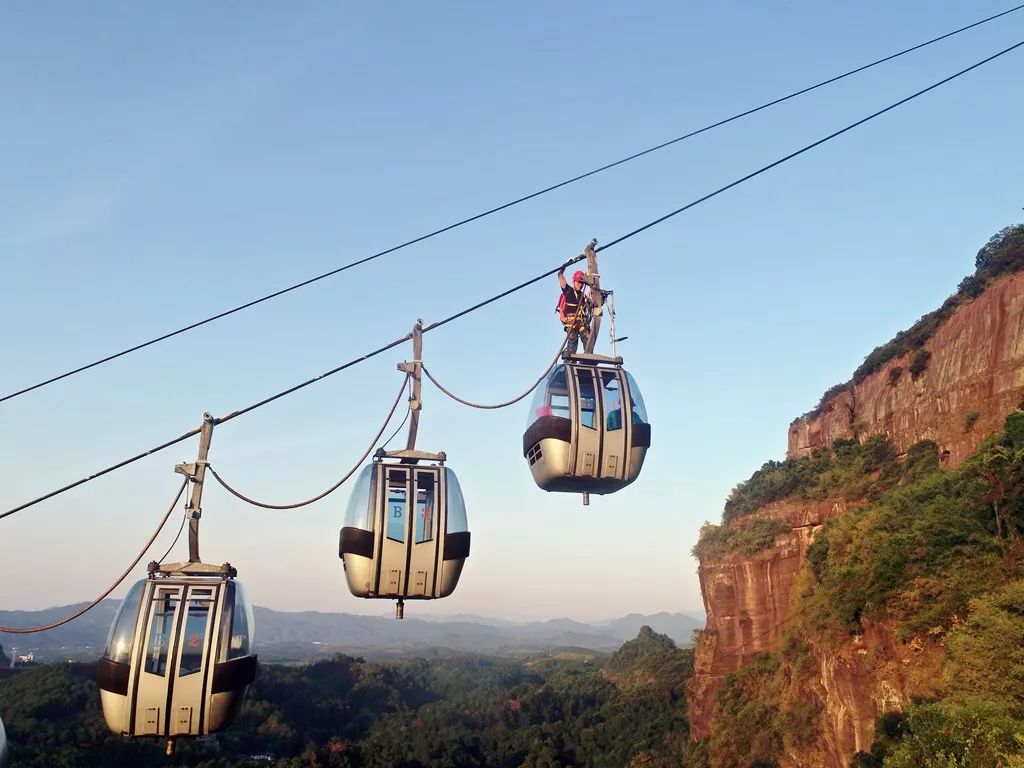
(586, 427)
(617, 423)
(393, 571)
(151, 682)
(424, 538)
(193, 661)
(170, 677)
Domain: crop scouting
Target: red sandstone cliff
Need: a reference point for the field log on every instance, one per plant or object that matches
(974, 378)
(976, 365)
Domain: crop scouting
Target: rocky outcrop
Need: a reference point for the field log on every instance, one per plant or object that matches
(747, 600)
(973, 378)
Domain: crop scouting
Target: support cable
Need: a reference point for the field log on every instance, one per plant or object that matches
(112, 587)
(334, 487)
(509, 204)
(405, 418)
(507, 403)
(181, 528)
(514, 289)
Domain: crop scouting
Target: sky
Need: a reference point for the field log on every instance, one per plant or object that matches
(162, 163)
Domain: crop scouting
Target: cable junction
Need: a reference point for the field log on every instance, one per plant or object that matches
(514, 289)
(509, 204)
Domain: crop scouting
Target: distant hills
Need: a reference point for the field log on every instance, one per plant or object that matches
(283, 636)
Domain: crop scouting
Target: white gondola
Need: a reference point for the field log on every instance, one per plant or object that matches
(406, 535)
(179, 656)
(588, 430)
(3, 746)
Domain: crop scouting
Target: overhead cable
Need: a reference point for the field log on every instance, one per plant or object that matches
(509, 204)
(333, 488)
(507, 403)
(514, 289)
(112, 587)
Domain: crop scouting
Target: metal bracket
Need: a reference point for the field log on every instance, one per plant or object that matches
(226, 570)
(410, 457)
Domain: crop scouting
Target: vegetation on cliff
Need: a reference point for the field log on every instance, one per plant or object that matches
(1003, 254)
(937, 558)
(348, 713)
(849, 470)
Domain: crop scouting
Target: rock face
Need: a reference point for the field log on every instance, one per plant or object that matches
(747, 601)
(976, 367)
(973, 379)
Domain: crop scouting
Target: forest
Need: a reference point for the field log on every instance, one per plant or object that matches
(569, 708)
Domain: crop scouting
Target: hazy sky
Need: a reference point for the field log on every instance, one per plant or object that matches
(162, 162)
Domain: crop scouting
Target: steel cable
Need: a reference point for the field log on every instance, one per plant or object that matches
(177, 536)
(112, 587)
(509, 204)
(507, 403)
(334, 487)
(514, 289)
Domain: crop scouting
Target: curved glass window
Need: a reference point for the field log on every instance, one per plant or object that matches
(612, 398)
(457, 522)
(237, 627)
(197, 622)
(396, 504)
(122, 631)
(551, 398)
(587, 396)
(636, 401)
(359, 513)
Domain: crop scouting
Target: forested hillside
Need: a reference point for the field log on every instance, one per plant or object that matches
(570, 708)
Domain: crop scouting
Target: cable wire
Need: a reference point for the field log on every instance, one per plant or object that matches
(508, 204)
(334, 487)
(112, 587)
(507, 403)
(514, 289)
(405, 418)
(176, 537)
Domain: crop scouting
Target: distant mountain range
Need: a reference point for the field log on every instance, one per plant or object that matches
(304, 636)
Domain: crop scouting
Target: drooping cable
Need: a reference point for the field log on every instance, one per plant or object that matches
(514, 289)
(510, 204)
(507, 403)
(112, 587)
(334, 487)
(177, 536)
(401, 424)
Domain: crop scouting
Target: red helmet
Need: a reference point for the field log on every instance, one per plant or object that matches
(577, 276)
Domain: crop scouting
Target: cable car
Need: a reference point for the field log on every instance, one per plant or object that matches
(588, 430)
(3, 745)
(179, 656)
(405, 535)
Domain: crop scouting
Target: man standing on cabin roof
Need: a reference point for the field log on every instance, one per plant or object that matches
(572, 310)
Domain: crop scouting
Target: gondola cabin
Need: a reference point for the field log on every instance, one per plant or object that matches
(3, 746)
(179, 657)
(588, 430)
(406, 535)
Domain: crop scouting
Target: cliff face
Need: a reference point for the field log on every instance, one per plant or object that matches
(747, 601)
(976, 366)
(973, 379)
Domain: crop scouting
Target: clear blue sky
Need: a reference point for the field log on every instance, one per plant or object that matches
(163, 162)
